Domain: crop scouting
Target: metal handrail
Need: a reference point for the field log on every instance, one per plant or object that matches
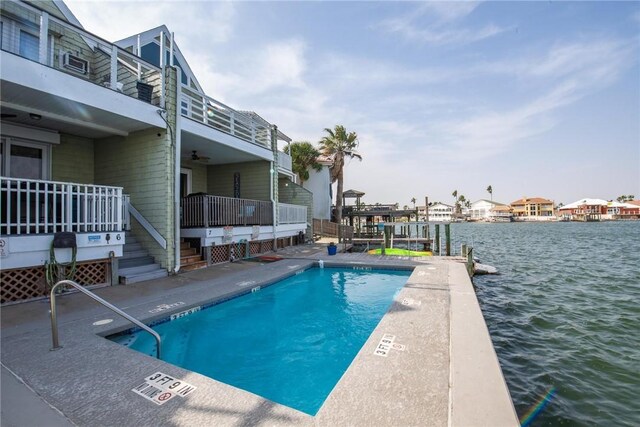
(54, 319)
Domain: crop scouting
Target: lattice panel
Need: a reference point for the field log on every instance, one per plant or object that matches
(267, 245)
(219, 254)
(238, 250)
(94, 273)
(21, 284)
(26, 283)
(254, 248)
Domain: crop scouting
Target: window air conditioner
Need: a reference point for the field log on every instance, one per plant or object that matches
(74, 63)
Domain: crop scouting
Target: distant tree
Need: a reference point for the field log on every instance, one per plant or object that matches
(340, 144)
(405, 207)
(413, 200)
(459, 203)
(625, 198)
(467, 204)
(304, 156)
(490, 191)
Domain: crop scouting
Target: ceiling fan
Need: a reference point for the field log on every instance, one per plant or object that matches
(197, 158)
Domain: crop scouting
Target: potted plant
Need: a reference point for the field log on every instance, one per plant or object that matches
(332, 248)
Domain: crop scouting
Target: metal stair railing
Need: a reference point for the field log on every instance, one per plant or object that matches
(54, 319)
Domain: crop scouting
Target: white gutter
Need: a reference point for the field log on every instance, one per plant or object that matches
(178, 136)
(273, 171)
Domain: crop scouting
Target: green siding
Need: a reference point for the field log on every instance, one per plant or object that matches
(198, 177)
(73, 160)
(254, 180)
(294, 194)
(143, 164)
(49, 7)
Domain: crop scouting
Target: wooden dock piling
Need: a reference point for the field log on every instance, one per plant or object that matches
(447, 237)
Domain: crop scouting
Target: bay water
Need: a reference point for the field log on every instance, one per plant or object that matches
(564, 312)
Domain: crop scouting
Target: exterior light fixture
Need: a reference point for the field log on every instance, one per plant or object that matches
(34, 116)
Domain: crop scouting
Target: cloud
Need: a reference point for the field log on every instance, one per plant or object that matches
(440, 24)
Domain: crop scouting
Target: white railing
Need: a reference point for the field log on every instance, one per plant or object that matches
(204, 109)
(72, 50)
(284, 161)
(291, 214)
(39, 207)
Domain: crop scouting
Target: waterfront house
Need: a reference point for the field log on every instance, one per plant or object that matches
(501, 213)
(319, 184)
(480, 210)
(439, 212)
(599, 209)
(533, 209)
(102, 138)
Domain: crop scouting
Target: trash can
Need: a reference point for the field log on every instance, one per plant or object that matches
(332, 250)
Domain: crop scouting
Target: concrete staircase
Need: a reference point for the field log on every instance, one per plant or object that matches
(190, 259)
(136, 265)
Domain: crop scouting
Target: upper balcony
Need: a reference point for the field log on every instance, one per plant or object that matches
(56, 70)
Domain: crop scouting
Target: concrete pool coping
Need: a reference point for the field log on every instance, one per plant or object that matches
(447, 374)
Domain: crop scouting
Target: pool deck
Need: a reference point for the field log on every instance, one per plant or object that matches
(444, 371)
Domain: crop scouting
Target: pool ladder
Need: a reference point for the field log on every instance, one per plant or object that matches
(54, 318)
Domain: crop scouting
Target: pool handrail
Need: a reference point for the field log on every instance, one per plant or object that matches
(54, 318)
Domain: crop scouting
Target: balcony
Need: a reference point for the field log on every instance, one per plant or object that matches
(57, 76)
(32, 207)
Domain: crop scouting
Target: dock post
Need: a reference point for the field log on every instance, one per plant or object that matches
(463, 250)
(437, 226)
(447, 239)
(470, 268)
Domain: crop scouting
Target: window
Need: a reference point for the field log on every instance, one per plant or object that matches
(21, 159)
(29, 46)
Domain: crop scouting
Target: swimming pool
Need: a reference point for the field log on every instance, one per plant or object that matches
(290, 343)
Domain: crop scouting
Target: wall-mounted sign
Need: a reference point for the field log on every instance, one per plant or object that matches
(236, 185)
(4, 248)
(227, 234)
(94, 239)
(255, 232)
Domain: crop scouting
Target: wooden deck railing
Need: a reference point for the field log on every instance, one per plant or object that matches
(40, 207)
(203, 211)
(326, 228)
(291, 214)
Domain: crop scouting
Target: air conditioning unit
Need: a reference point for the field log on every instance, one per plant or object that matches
(75, 63)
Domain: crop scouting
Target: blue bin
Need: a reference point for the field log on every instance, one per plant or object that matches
(332, 250)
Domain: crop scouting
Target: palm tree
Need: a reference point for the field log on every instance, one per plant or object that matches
(413, 200)
(459, 203)
(490, 191)
(303, 156)
(339, 144)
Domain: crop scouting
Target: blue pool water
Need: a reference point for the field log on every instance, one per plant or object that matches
(290, 342)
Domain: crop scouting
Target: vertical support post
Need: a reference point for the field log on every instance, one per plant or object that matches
(114, 67)
(470, 268)
(43, 49)
(232, 122)
(68, 205)
(447, 234)
(438, 246)
(463, 250)
(162, 66)
(138, 47)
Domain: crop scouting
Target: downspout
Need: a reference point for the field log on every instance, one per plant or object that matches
(178, 136)
(274, 177)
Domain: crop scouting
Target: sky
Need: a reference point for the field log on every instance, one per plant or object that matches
(536, 99)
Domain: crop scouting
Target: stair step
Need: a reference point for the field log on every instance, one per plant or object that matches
(188, 252)
(149, 275)
(130, 247)
(131, 271)
(193, 266)
(134, 254)
(185, 245)
(189, 259)
(135, 262)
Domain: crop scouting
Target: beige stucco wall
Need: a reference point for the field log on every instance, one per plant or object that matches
(73, 160)
(254, 180)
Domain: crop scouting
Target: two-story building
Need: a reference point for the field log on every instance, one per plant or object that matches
(118, 144)
(533, 209)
